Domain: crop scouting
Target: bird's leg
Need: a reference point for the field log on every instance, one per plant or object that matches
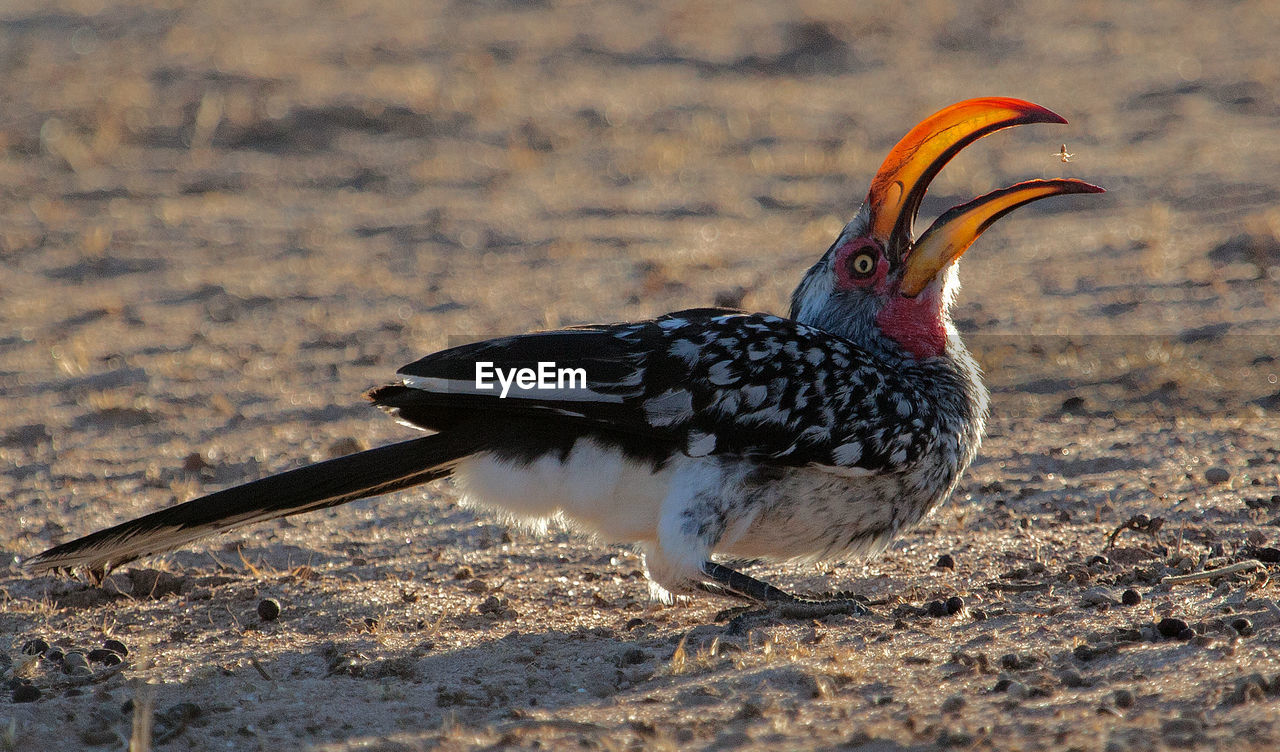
(730, 581)
(720, 590)
(744, 585)
(692, 523)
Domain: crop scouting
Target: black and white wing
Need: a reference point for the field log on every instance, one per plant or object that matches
(701, 382)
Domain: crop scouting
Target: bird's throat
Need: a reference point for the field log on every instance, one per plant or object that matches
(916, 324)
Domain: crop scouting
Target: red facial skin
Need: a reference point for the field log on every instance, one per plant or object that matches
(914, 323)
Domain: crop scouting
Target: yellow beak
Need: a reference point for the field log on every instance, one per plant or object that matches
(900, 184)
(953, 232)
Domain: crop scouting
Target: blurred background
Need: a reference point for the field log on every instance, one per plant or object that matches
(674, 151)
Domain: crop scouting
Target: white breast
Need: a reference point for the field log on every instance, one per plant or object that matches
(594, 488)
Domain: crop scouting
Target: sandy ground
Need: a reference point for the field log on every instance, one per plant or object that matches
(219, 224)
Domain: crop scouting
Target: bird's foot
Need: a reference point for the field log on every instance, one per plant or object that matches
(805, 608)
(730, 582)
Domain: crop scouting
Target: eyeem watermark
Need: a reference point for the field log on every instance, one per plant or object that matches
(545, 377)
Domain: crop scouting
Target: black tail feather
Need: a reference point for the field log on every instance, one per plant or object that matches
(325, 484)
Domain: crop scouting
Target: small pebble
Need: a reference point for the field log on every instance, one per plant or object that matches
(1187, 634)
(1131, 597)
(180, 713)
(1243, 626)
(1124, 698)
(1104, 561)
(115, 646)
(1267, 555)
(26, 693)
(36, 646)
(1073, 678)
(953, 738)
(97, 737)
(1098, 596)
(1171, 627)
(953, 704)
(1010, 660)
(633, 623)
(1128, 635)
(1217, 475)
(1181, 730)
(1017, 690)
(194, 463)
(477, 586)
(493, 605)
(102, 655)
(54, 654)
(955, 604)
(76, 663)
(1249, 691)
(936, 608)
(1073, 404)
(268, 609)
(946, 561)
(463, 573)
(978, 614)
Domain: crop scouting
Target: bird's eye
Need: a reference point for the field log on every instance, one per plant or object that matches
(856, 263)
(862, 265)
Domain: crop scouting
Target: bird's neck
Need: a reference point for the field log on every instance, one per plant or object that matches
(919, 325)
(915, 337)
(956, 383)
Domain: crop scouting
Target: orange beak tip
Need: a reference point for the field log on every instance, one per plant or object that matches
(1026, 112)
(1079, 186)
(1049, 116)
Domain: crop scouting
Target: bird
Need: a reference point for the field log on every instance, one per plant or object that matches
(704, 437)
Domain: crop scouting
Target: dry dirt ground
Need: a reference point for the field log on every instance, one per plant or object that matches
(221, 222)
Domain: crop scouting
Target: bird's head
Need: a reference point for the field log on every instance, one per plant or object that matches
(878, 283)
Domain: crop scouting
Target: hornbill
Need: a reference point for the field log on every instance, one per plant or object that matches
(704, 436)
